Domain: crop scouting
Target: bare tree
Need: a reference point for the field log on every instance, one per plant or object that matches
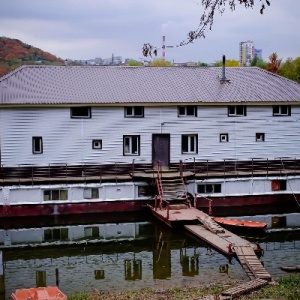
(207, 19)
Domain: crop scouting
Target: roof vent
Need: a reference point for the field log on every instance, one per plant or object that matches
(223, 78)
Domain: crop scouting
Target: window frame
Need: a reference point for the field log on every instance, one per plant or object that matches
(259, 136)
(90, 193)
(134, 113)
(226, 137)
(186, 108)
(94, 146)
(236, 113)
(216, 188)
(279, 185)
(130, 150)
(39, 140)
(280, 108)
(77, 109)
(59, 191)
(189, 143)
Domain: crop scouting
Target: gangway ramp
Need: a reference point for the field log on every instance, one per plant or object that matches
(231, 244)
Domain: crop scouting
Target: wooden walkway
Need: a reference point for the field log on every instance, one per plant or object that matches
(230, 244)
(218, 237)
(244, 288)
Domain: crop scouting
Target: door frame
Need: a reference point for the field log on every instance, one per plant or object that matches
(167, 136)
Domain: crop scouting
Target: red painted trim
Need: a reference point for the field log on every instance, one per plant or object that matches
(224, 203)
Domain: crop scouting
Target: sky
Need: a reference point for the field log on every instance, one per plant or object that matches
(86, 29)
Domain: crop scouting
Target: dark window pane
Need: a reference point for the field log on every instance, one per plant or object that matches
(95, 232)
(284, 110)
(201, 188)
(55, 195)
(282, 184)
(192, 144)
(276, 109)
(209, 188)
(190, 110)
(95, 193)
(47, 234)
(217, 188)
(47, 195)
(56, 234)
(181, 110)
(240, 110)
(138, 111)
(81, 112)
(184, 142)
(231, 110)
(135, 145)
(64, 233)
(129, 111)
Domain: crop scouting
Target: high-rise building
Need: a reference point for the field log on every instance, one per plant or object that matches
(258, 53)
(247, 53)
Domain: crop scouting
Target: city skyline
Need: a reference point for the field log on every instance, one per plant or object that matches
(85, 30)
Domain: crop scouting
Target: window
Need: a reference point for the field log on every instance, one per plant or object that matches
(37, 145)
(190, 110)
(99, 274)
(131, 145)
(281, 110)
(134, 112)
(278, 221)
(91, 193)
(91, 232)
(83, 112)
(56, 234)
(189, 144)
(224, 137)
(278, 185)
(143, 191)
(237, 111)
(260, 137)
(52, 195)
(210, 188)
(97, 144)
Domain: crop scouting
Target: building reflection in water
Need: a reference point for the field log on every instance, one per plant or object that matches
(189, 262)
(133, 269)
(119, 256)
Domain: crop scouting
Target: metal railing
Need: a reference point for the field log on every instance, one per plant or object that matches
(124, 171)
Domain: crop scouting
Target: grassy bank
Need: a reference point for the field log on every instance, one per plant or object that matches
(287, 287)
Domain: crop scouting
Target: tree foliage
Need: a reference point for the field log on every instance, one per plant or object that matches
(211, 7)
(257, 62)
(274, 63)
(133, 62)
(160, 63)
(291, 69)
(14, 53)
(228, 63)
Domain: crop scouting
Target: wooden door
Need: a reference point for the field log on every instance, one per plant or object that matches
(161, 149)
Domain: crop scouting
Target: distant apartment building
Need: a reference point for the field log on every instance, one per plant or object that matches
(248, 52)
(258, 53)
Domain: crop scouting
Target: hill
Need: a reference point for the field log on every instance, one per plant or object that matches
(14, 53)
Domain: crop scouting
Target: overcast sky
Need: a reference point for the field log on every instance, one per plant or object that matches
(85, 29)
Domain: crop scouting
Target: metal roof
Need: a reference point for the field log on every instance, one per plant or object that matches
(92, 85)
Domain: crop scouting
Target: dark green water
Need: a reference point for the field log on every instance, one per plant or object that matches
(125, 255)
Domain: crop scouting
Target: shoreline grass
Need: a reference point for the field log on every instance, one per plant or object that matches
(286, 287)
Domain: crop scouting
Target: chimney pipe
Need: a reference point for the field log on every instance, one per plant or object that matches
(223, 69)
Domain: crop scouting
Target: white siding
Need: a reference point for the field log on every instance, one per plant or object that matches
(35, 194)
(248, 186)
(69, 141)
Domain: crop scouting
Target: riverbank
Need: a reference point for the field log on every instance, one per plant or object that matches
(286, 287)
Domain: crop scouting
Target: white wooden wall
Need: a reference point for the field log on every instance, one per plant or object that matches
(69, 141)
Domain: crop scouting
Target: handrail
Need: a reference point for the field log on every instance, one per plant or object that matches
(158, 182)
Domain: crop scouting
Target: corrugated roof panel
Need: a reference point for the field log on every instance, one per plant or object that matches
(106, 85)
